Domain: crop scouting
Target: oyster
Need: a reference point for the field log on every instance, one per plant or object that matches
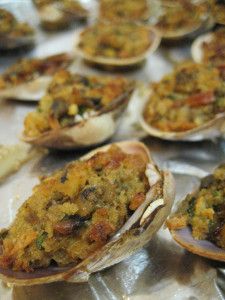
(78, 111)
(57, 15)
(210, 48)
(181, 19)
(14, 34)
(28, 79)
(204, 211)
(110, 44)
(181, 108)
(131, 236)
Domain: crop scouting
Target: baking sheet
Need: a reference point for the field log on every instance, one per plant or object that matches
(162, 270)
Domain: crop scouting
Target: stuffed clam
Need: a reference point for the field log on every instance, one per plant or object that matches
(88, 216)
(29, 78)
(14, 34)
(131, 10)
(210, 48)
(187, 104)
(78, 111)
(182, 18)
(56, 15)
(117, 44)
(198, 224)
(218, 11)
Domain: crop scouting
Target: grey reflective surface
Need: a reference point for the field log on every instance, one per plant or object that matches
(162, 270)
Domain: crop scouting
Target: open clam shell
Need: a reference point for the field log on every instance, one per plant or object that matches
(205, 23)
(53, 17)
(134, 234)
(154, 37)
(200, 247)
(108, 11)
(211, 129)
(196, 48)
(10, 42)
(203, 248)
(33, 89)
(183, 33)
(29, 91)
(88, 132)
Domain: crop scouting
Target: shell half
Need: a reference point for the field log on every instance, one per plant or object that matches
(29, 91)
(32, 90)
(134, 234)
(200, 247)
(211, 129)
(196, 48)
(120, 62)
(182, 33)
(85, 133)
(10, 42)
(52, 17)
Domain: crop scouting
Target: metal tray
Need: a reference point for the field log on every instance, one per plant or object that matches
(161, 270)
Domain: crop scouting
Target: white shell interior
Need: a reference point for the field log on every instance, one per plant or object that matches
(196, 48)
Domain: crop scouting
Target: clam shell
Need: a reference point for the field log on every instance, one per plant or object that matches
(119, 62)
(200, 247)
(31, 90)
(54, 18)
(182, 33)
(85, 133)
(209, 130)
(138, 230)
(196, 47)
(10, 42)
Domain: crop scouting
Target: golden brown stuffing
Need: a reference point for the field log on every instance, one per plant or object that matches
(205, 210)
(9, 26)
(123, 40)
(131, 10)
(75, 211)
(72, 98)
(29, 69)
(59, 14)
(214, 50)
(181, 15)
(186, 98)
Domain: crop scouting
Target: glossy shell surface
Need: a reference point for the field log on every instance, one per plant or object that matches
(32, 90)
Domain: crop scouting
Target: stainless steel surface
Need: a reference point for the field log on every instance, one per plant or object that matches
(162, 270)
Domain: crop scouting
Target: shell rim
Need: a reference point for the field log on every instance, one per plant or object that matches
(197, 44)
(173, 135)
(76, 270)
(126, 95)
(120, 62)
(201, 251)
(27, 84)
